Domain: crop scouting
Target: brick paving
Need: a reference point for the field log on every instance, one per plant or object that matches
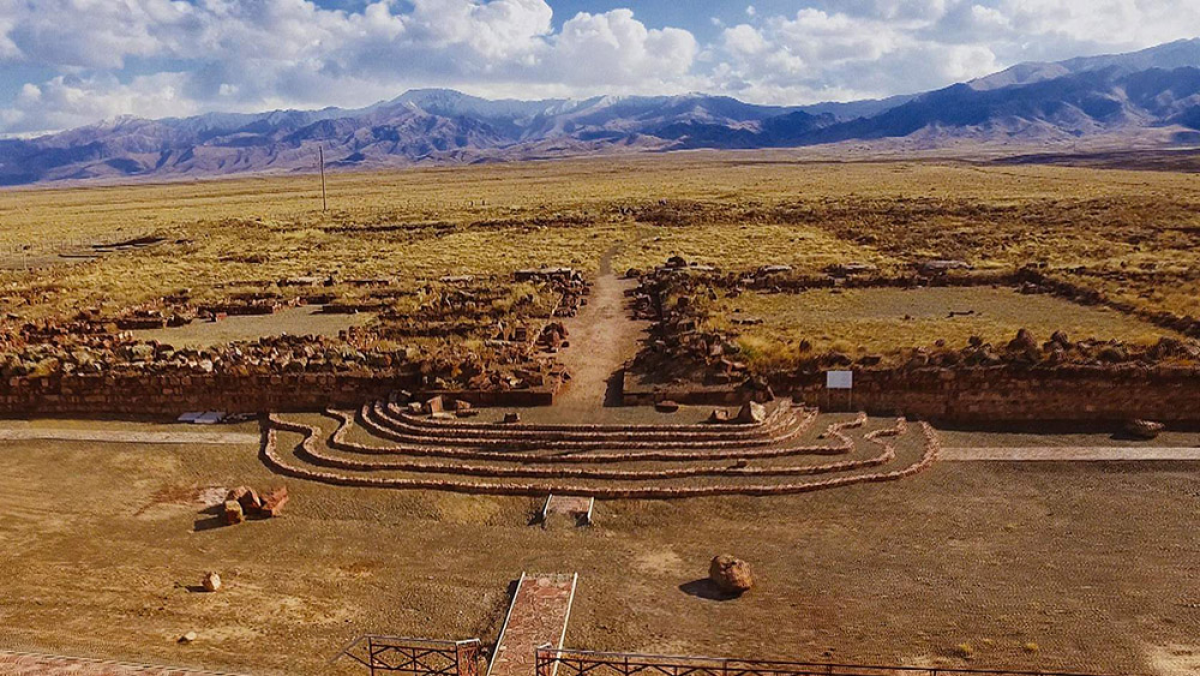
(34, 664)
(538, 616)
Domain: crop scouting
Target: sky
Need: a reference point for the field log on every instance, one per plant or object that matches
(67, 63)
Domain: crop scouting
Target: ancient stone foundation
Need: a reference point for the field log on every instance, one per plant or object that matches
(162, 394)
(1008, 394)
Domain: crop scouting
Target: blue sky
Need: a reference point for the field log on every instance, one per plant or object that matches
(65, 63)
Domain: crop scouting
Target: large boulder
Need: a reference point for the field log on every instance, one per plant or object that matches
(1144, 429)
(731, 575)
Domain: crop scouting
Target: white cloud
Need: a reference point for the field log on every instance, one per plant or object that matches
(66, 101)
(175, 57)
(615, 48)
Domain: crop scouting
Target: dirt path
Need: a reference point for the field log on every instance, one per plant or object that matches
(1048, 453)
(603, 337)
(129, 437)
(18, 664)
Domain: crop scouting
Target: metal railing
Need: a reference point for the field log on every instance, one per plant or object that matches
(553, 662)
(413, 656)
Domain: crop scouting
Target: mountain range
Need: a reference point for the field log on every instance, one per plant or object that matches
(1156, 90)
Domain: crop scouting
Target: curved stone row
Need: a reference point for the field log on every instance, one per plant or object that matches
(886, 455)
(382, 423)
(780, 416)
(339, 442)
(735, 430)
(271, 457)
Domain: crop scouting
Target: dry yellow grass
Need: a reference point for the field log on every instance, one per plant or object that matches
(736, 209)
(861, 321)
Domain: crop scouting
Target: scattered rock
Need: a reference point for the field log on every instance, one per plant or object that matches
(1144, 429)
(719, 415)
(188, 637)
(1024, 342)
(730, 574)
(435, 405)
(233, 513)
(247, 498)
(752, 412)
(211, 582)
(666, 406)
(512, 418)
(938, 267)
(274, 501)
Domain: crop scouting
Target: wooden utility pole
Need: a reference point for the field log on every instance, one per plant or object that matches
(324, 200)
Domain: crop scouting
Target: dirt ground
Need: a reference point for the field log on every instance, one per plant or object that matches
(296, 321)
(888, 319)
(607, 337)
(1082, 566)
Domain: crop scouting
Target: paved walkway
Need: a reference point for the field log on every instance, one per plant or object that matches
(538, 616)
(34, 664)
(129, 437)
(1069, 453)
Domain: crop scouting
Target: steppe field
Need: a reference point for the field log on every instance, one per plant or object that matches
(1054, 564)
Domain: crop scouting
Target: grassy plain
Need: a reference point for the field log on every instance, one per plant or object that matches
(1137, 233)
(1035, 565)
(859, 321)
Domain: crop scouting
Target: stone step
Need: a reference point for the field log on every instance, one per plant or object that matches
(777, 412)
(538, 616)
(383, 423)
(573, 508)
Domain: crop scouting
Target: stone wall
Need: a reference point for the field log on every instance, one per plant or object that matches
(1011, 394)
(172, 394)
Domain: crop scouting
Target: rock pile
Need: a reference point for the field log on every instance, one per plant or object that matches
(243, 502)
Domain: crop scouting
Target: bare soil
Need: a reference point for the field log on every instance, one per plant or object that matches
(1083, 566)
(296, 321)
(603, 337)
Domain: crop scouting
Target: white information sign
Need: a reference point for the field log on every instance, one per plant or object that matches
(839, 380)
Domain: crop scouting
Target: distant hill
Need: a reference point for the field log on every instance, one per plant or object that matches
(1157, 88)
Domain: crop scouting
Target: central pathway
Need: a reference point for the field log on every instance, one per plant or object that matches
(603, 337)
(538, 616)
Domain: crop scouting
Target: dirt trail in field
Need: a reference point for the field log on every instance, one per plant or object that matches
(1069, 453)
(128, 437)
(603, 337)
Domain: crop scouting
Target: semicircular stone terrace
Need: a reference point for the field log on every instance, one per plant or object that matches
(385, 447)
